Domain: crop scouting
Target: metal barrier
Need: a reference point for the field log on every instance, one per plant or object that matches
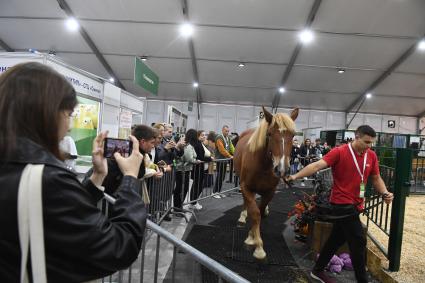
(138, 267)
(418, 172)
(160, 192)
(397, 179)
(214, 179)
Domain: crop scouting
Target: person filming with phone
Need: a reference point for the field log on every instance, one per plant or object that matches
(80, 243)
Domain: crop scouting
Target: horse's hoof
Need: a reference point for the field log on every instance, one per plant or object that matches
(249, 241)
(259, 254)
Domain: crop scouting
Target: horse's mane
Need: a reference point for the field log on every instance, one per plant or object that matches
(258, 138)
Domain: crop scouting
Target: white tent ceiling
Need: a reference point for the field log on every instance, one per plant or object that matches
(365, 37)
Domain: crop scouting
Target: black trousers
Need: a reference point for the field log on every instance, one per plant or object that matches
(347, 229)
(182, 181)
(221, 174)
(198, 174)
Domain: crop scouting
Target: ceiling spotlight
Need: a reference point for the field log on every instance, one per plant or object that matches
(143, 58)
(306, 36)
(186, 29)
(341, 71)
(241, 65)
(282, 89)
(72, 24)
(111, 79)
(368, 95)
(195, 84)
(421, 45)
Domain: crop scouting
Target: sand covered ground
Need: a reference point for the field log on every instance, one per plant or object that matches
(412, 265)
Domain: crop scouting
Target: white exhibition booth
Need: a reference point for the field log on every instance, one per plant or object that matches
(102, 106)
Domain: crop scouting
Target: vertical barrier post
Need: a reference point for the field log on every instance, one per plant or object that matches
(401, 187)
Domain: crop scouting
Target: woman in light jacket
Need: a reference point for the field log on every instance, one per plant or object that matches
(184, 165)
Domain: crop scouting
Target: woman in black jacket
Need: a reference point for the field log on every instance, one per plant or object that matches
(198, 171)
(81, 243)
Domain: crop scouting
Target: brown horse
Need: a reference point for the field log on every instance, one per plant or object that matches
(258, 153)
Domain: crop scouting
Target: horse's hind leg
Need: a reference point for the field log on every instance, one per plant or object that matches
(254, 237)
(265, 199)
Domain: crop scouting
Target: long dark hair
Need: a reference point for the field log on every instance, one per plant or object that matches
(31, 98)
(191, 137)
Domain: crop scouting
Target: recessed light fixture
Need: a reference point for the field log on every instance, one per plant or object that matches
(421, 45)
(72, 24)
(186, 30)
(195, 84)
(306, 36)
(111, 79)
(241, 65)
(143, 58)
(368, 95)
(282, 89)
(341, 71)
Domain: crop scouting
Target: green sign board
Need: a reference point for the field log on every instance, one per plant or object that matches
(145, 77)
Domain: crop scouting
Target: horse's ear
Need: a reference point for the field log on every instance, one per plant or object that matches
(294, 114)
(267, 115)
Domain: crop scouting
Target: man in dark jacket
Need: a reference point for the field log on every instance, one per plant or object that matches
(146, 137)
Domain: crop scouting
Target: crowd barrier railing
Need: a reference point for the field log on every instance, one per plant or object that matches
(138, 268)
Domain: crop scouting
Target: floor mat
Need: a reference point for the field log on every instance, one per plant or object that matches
(274, 245)
(223, 241)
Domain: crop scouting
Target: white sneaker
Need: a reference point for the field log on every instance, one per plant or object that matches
(216, 196)
(197, 206)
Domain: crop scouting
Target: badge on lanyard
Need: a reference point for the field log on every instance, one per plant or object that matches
(362, 190)
(362, 184)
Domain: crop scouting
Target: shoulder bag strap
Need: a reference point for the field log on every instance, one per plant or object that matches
(30, 223)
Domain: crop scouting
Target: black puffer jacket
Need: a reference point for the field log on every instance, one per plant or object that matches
(81, 243)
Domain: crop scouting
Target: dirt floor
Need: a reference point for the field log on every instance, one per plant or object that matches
(412, 265)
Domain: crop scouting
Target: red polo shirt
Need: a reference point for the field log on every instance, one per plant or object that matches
(346, 186)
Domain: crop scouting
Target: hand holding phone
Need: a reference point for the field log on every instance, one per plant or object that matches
(100, 166)
(123, 147)
(130, 166)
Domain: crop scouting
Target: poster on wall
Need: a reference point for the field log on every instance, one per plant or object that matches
(84, 124)
(126, 117)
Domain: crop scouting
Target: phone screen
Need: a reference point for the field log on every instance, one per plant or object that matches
(177, 138)
(121, 146)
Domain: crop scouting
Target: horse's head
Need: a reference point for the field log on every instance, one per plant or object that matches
(279, 135)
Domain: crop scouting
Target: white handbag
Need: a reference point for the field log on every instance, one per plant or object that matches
(30, 223)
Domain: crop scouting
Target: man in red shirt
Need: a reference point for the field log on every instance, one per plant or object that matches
(352, 164)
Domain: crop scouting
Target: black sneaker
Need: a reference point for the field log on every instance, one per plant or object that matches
(321, 276)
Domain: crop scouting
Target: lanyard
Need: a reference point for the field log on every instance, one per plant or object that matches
(357, 164)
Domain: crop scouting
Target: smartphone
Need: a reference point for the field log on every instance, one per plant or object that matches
(112, 145)
(177, 138)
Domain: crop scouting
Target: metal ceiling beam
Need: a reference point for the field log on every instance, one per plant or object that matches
(65, 7)
(185, 10)
(5, 46)
(310, 19)
(384, 75)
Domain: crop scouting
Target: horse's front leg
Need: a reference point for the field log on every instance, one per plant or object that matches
(254, 237)
(244, 213)
(265, 199)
